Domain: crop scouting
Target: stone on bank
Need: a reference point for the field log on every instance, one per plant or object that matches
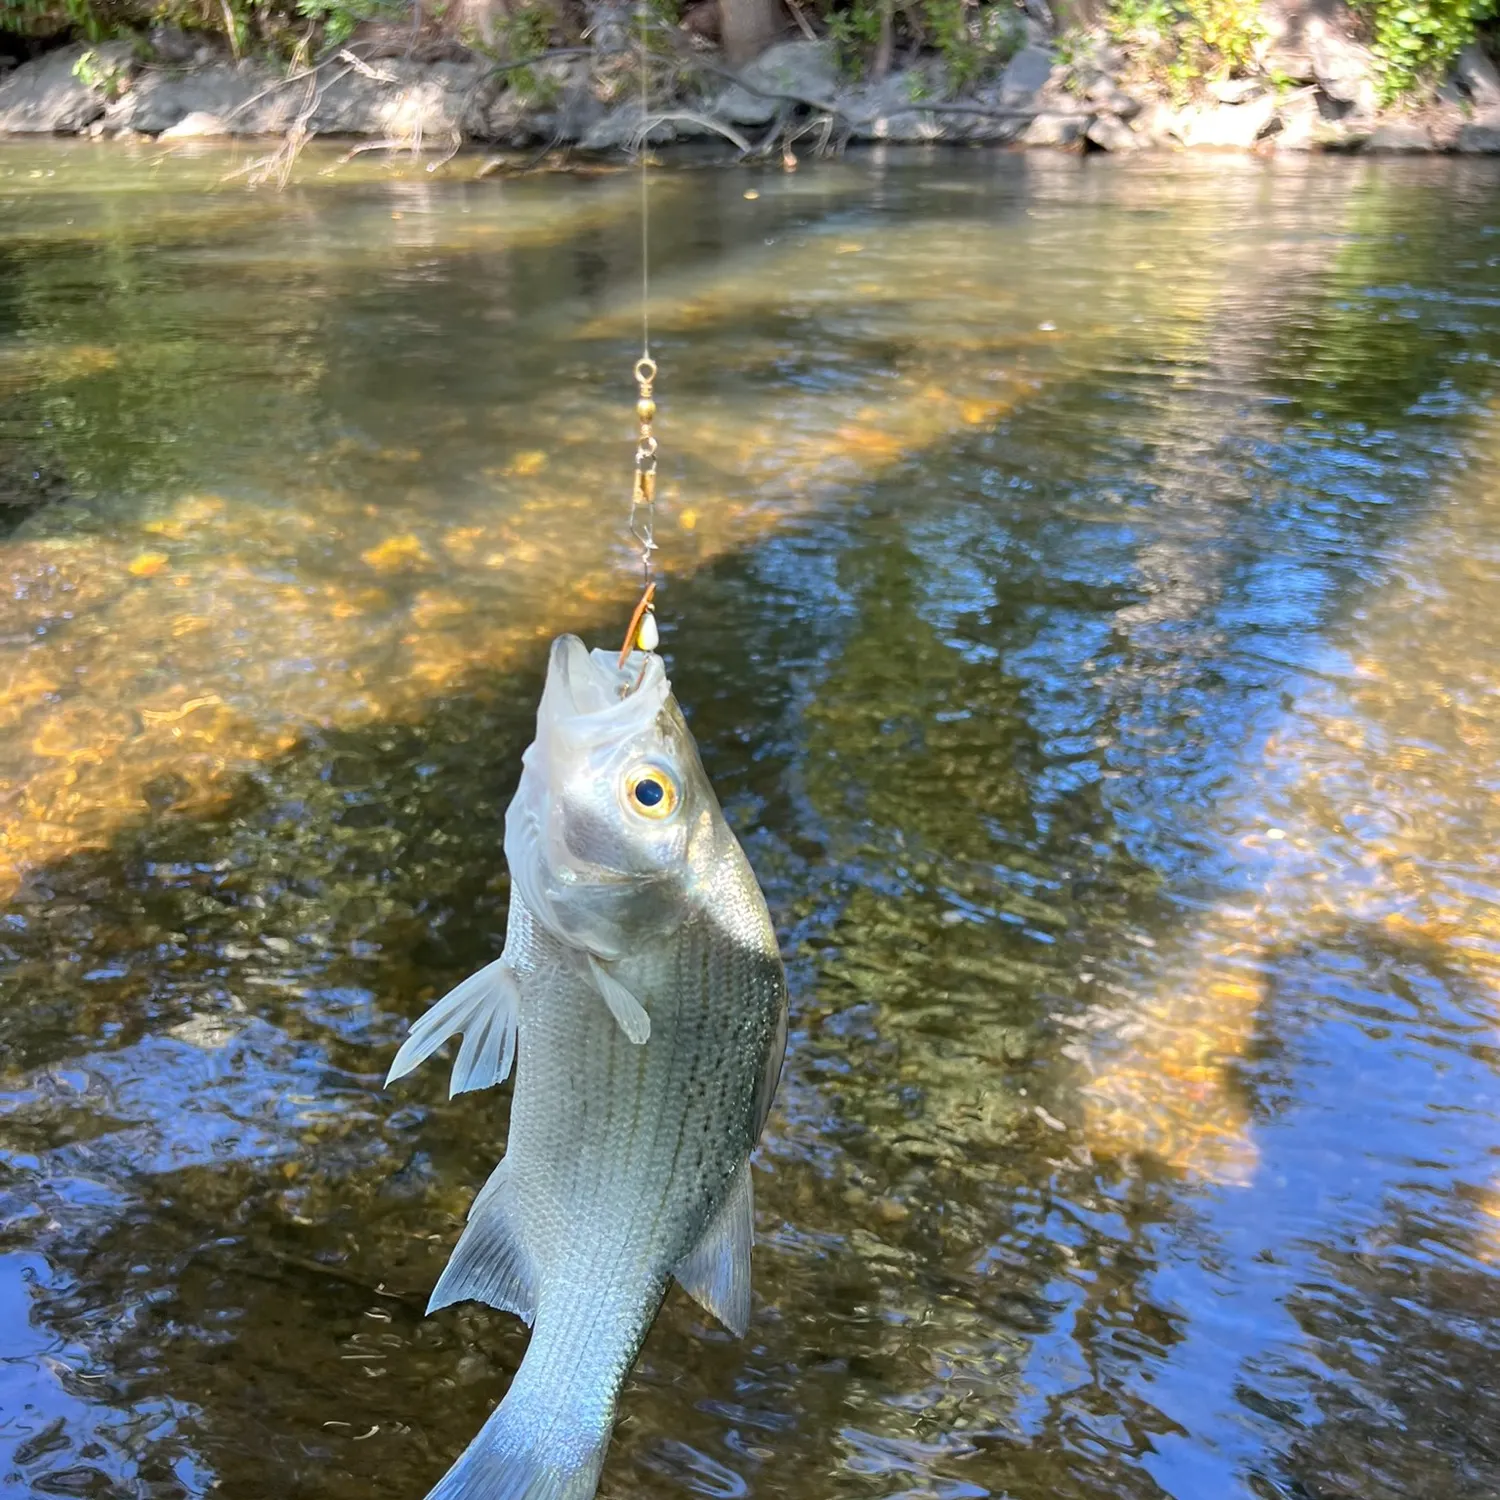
(1092, 93)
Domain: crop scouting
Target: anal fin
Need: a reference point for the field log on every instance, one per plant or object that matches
(717, 1272)
(623, 1006)
(489, 1263)
(484, 1009)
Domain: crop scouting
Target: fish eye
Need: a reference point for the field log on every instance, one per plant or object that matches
(651, 792)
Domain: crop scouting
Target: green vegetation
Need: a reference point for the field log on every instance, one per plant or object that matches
(99, 73)
(273, 25)
(1185, 43)
(972, 39)
(1416, 39)
(1188, 42)
(44, 17)
(337, 19)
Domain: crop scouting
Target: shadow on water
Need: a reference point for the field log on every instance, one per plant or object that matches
(1124, 1151)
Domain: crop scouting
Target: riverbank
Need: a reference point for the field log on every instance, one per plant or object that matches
(1313, 88)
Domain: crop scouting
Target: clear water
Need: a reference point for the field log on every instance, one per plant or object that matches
(1083, 585)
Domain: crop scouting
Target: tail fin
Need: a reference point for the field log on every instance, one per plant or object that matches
(525, 1452)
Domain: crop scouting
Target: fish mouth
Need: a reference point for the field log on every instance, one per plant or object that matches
(592, 685)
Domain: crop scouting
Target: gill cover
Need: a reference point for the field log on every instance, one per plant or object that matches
(612, 807)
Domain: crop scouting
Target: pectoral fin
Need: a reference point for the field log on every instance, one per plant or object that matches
(623, 1006)
(717, 1274)
(489, 1263)
(484, 1009)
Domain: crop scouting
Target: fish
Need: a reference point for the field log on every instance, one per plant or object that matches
(642, 999)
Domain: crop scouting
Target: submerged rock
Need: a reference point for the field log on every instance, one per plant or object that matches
(27, 486)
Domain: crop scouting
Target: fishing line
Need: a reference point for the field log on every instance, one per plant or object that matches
(645, 192)
(642, 634)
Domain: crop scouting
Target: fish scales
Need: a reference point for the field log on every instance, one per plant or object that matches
(580, 1058)
(642, 991)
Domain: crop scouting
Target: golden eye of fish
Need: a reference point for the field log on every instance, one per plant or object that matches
(652, 792)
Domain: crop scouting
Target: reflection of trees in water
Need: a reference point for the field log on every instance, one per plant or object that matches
(1399, 1364)
(1376, 1385)
(172, 643)
(1372, 802)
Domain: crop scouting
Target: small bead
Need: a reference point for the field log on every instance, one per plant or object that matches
(647, 637)
(645, 408)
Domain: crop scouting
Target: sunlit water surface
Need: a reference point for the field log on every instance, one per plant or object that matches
(1084, 582)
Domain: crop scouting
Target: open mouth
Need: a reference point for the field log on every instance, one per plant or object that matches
(589, 683)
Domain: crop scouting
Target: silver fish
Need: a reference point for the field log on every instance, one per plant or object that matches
(641, 991)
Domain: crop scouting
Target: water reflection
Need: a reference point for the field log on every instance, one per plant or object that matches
(1080, 598)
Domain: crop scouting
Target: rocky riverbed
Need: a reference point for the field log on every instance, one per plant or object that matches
(1313, 87)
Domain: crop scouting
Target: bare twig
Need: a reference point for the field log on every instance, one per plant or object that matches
(772, 135)
(823, 123)
(280, 162)
(363, 68)
(537, 157)
(729, 133)
(234, 39)
(801, 20)
(385, 143)
(536, 57)
(455, 145)
(282, 83)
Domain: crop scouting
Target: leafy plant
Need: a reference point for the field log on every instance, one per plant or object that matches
(337, 19)
(970, 36)
(526, 31)
(95, 72)
(1416, 39)
(854, 32)
(1188, 41)
(47, 17)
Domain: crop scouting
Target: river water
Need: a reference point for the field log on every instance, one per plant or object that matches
(1083, 578)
